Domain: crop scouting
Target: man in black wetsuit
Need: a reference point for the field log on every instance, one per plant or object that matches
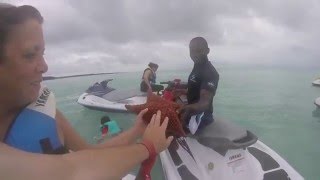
(202, 84)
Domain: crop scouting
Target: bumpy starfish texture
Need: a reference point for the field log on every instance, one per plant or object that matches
(167, 108)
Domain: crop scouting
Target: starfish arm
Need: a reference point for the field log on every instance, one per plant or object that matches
(167, 108)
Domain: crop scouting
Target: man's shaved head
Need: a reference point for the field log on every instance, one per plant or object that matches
(199, 49)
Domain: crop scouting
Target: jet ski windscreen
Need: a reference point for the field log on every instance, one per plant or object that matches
(100, 89)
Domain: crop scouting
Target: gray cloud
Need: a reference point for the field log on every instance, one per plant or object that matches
(85, 36)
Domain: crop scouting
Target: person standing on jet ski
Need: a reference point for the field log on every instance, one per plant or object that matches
(148, 82)
(202, 85)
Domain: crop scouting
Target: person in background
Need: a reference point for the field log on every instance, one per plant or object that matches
(202, 85)
(107, 126)
(148, 83)
(29, 138)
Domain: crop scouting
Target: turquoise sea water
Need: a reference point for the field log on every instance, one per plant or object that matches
(274, 103)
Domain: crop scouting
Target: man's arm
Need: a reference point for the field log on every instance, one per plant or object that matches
(203, 103)
(196, 108)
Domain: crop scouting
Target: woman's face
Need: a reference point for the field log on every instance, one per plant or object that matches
(22, 68)
(154, 69)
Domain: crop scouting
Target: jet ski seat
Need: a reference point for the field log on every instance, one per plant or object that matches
(120, 95)
(222, 135)
(103, 90)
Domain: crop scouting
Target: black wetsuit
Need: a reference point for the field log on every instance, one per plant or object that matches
(203, 76)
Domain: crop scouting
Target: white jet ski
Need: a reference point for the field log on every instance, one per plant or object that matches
(129, 177)
(104, 98)
(226, 152)
(317, 102)
(316, 82)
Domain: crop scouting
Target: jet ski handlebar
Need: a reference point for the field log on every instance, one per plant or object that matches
(177, 84)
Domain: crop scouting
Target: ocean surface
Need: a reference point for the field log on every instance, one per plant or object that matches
(277, 104)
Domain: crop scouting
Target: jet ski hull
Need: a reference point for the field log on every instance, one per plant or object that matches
(129, 177)
(222, 150)
(317, 102)
(316, 82)
(98, 103)
(100, 96)
(255, 162)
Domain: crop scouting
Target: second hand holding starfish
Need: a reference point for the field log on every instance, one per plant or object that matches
(167, 108)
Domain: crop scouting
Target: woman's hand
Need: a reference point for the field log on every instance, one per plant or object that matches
(139, 125)
(156, 133)
(149, 89)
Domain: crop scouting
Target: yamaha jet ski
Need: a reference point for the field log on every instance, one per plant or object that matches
(101, 96)
(226, 152)
(316, 82)
(317, 102)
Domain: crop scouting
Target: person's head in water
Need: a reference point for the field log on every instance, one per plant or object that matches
(153, 66)
(104, 119)
(199, 49)
(21, 54)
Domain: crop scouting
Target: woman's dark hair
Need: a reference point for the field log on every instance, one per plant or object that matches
(153, 65)
(104, 119)
(10, 16)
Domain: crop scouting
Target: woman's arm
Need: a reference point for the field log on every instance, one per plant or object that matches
(111, 163)
(75, 142)
(146, 76)
(128, 136)
(103, 163)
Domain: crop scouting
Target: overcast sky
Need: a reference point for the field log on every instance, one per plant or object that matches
(88, 36)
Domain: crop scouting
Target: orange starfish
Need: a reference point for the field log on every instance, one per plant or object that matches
(167, 108)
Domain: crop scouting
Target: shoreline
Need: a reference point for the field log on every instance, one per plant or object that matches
(47, 78)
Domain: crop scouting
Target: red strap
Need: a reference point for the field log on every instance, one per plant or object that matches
(150, 147)
(146, 166)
